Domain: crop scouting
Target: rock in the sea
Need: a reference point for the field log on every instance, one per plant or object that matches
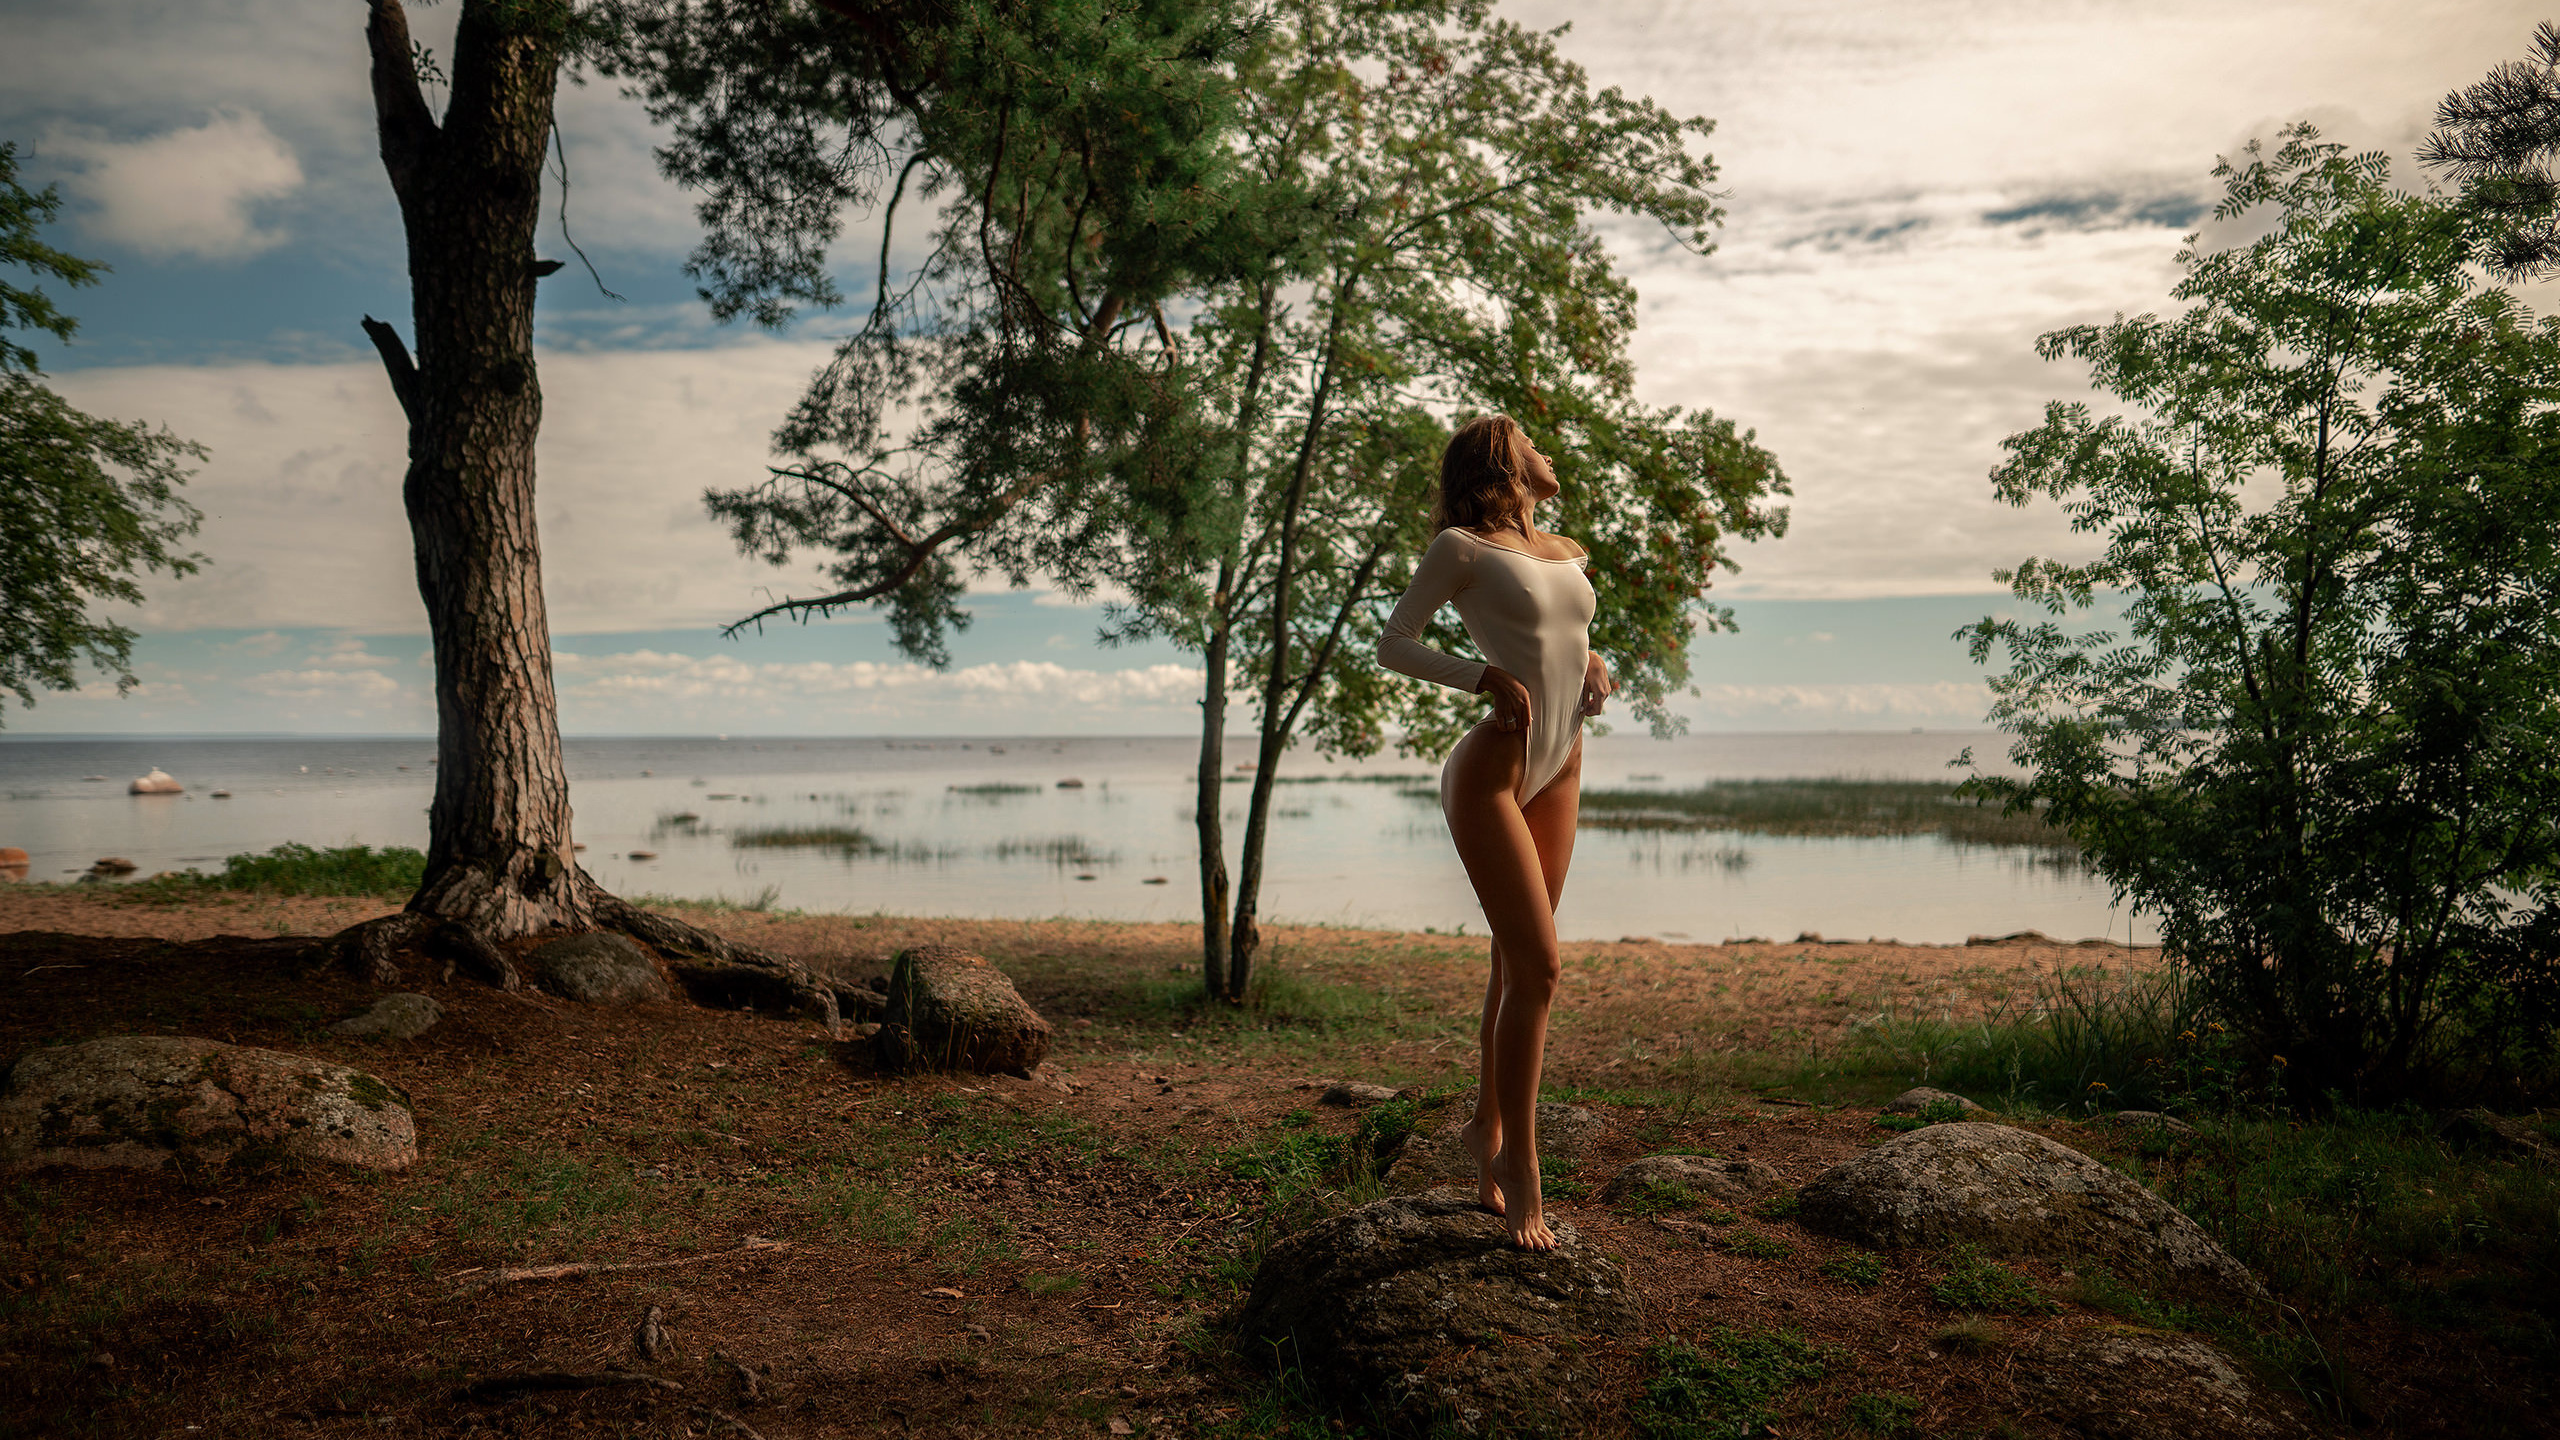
(158, 782)
(599, 967)
(140, 1101)
(1356, 1093)
(393, 1017)
(1435, 1157)
(2122, 1383)
(1918, 1099)
(1420, 1307)
(1729, 1183)
(2011, 1192)
(951, 1010)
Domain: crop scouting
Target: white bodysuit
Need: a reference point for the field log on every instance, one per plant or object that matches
(1529, 615)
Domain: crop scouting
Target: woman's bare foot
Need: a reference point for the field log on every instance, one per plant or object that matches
(1483, 1141)
(1527, 1219)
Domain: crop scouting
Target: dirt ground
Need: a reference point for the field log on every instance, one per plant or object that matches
(957, 1255)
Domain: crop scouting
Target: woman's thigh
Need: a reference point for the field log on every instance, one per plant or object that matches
(1477, 794)
(1551, 817)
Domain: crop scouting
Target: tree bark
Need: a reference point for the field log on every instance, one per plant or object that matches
(500, 864)
(1209, 817)
(1247, 941)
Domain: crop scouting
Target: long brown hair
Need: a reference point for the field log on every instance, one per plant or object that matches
(1480, 485)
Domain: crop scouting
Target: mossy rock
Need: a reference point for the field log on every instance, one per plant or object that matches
(950, 1010)
(143, 1101)
(599, 968)
(2122, 1382)
(2010, 1192)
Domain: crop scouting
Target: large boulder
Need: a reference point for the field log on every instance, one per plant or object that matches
(1920, 1099)
(1436, 1157)
(599, 968)
(393, 1017)
(140, 1101)
(1710, 1181)
(2123, 1383)
(951, 1010)
(1421, 1307)
(2010, 1192)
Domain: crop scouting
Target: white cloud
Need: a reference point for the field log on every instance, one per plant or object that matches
(362, 687)
(197, 191)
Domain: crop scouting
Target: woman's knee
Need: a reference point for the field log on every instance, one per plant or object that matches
(1532, 975)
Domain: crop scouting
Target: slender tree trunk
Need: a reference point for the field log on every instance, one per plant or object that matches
(499, 859)
(1212, 798)
(1247, 941)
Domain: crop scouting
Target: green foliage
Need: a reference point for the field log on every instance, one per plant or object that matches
(2498, 138)
(1861, 1268)
(1884, 1413)
(2326, 752)
(2100, 1289)
(1728, 1387)
(1820, 807)
(1781, 1206)
(91, 502)
(1936, 1112)
(2370, 1208)
(1660, 1197)
(1977, 1284)
(2082, 1040)
(393, 871)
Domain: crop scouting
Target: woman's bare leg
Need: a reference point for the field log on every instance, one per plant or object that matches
(1504, 851)
(1482, 1134)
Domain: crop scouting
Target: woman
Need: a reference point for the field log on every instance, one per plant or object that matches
(1513, 787)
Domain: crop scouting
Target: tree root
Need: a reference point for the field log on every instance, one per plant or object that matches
(724, 971)
(518, 1274)
(723, 1417)
(526, 1382)
(370, 950)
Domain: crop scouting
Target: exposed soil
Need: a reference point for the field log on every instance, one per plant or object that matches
(966, 1255)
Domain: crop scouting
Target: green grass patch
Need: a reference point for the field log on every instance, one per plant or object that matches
(1039, 1284)
(291, 869)
(1859, 1267)
(1752, 1246)
(1979, 1285)
(1782, 1206)
(1820, 807)
(1661, 1197)
(1728, 1386)
(1884, 1413)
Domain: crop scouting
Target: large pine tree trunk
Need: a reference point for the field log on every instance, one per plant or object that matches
(499, 861)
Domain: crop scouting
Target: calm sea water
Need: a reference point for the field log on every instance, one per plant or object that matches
(1353, 846)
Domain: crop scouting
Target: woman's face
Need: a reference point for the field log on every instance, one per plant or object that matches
(1535, 472)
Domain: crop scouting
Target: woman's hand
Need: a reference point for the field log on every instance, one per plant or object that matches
(1597, 687)
(1510, 697)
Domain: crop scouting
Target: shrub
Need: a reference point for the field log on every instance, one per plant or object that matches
(2322, 754)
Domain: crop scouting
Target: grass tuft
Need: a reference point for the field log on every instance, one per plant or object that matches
(1725, 1388)
(1978, 1285)
(291, 869)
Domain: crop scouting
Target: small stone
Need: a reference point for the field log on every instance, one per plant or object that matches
(1357, 1092)
(598, 968)
(1120, 1426)
(393, 1017)
(1919, 1098)
(652, 1341)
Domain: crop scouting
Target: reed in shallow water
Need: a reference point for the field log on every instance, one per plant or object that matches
(1819, 807)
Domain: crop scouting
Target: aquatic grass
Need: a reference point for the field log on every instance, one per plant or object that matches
(1820, 807)
(846, 838)
(293, 869)
(993, 789)
(1059, 850)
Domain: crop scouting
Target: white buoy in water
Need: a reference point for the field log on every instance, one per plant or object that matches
(158, 782)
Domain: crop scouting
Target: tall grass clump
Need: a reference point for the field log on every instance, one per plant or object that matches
(2086, 1039)
(293, 869)
(843, 838)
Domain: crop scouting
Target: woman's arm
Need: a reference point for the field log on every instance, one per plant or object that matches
(1436, 582)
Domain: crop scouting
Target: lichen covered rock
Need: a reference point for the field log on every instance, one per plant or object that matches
(951, 1010)
(2006, 1191)
(1730, 1183)
(2123, 1383)
(1420, 1307)
(1919, 1098)
(141, 1101)
(599, 968)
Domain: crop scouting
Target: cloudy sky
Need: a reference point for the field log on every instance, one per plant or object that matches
(1916, 189)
